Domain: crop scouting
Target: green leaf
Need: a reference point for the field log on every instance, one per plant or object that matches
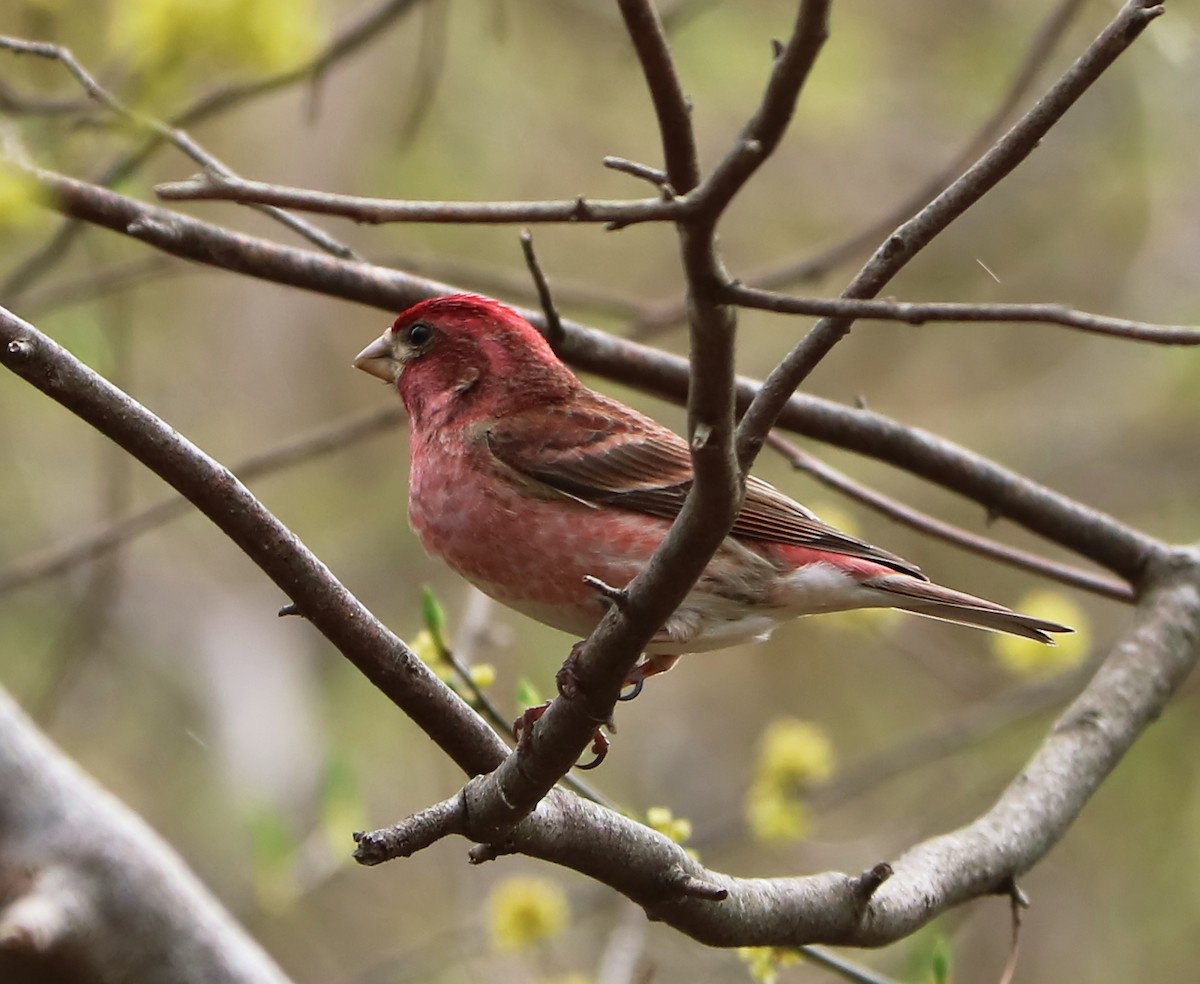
(527, 694)
(435, 617)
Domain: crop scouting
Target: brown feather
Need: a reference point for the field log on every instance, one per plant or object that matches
(597, 454)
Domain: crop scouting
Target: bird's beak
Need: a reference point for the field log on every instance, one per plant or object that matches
(379, 359)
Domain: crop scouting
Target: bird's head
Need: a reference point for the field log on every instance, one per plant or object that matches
(464, 356)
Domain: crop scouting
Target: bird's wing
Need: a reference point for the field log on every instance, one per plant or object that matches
(601, 454)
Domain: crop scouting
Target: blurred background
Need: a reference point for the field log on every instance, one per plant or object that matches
(255, 749)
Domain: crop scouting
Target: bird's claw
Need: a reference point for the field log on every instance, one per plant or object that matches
(635, 681)
(522, 729)
(600, 745)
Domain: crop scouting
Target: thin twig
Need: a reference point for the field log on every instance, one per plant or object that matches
(553, 329)
(215, 187)
(111, 536)
(853, 972)
(367, 27)
(1017, 902)
(911, 237)
(917, 313)
(173, 135)
(932, 526)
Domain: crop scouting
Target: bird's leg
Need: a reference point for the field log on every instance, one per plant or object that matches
(650, 666)
(568, 687)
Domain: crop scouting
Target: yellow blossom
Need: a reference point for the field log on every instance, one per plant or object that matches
(764, 962)
(1029, 658)
(793, 754)
(660, 818)
(263, 35)
(775, 815)
(19, 198)
(524, 911)
(483, 675)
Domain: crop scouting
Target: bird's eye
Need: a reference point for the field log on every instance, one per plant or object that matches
(419, 334)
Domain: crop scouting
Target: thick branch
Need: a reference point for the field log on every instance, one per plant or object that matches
(214, 490)
(1128, 692)
(672, 109)
(98, 894)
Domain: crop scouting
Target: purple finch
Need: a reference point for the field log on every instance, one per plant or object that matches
(525, 481)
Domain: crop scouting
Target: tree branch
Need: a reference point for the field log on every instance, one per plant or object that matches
(101, 898)
(212, 187)
(919, 231)
(1128, 691)
(922, 313)
(173, 135)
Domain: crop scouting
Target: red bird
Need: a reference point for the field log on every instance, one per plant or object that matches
(524, 481)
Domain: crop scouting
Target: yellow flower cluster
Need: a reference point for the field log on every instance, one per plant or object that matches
(19, 200)
(525, 911)
(263, 35)
(678, 829)
(792, 756)
(764, 962)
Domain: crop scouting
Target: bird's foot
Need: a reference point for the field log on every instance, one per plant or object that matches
(650, 666)
(522, 731)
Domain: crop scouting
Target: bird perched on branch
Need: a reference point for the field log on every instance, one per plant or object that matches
(534, 488)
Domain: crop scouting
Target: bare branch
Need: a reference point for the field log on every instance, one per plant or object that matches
(210, 187)
(553, 330)
(672, 108)
(919, 231)
(174, 135)
(413, 834)
(92, 891)
(922, 313)
(642, 171)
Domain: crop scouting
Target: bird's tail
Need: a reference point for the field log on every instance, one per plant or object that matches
(935, 601)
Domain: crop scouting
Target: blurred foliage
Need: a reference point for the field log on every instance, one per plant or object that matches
(792, 756)
(524, 912)
(765, 962)
(1027, 657)
(663, 819)
(175, 44)
(253, 747)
